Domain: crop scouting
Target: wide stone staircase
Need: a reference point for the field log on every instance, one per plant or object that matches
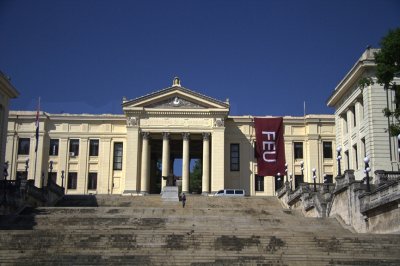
(116, 230)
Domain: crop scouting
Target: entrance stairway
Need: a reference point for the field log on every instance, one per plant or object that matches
(116, 230)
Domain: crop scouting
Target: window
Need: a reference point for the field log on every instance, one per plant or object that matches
(327, 146)
(355, 152)
(53, 151)
(298, 150)
(235, 159)
(92, 181)
(329, 179)
(259, 183)
(23, 146)
(72, 180)
(278, 182)
(118, 156)
(74, 147)
(353, 112)
(298, 179)
(53, 177)
(346, 153)
(230, 192)
(94, 147)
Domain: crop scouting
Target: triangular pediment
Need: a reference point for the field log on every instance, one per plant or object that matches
(175, 97)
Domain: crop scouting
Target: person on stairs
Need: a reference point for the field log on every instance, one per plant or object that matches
(183, 200)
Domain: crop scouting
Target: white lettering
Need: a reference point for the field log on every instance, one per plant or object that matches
(269, 134)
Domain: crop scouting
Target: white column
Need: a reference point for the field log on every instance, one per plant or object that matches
(165, 159)
(205, 182)
(145, 169)
(185, 163)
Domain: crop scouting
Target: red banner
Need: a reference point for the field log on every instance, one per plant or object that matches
(270, 148)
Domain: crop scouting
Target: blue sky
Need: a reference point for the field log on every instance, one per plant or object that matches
(267, 57)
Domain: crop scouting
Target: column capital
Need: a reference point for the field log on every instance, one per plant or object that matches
(206, 135)
(132, 121)
(146, 135)
(186, 136)
(165, 135)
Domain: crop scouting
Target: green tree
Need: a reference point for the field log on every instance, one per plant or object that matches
(387, 68)
(195, 177)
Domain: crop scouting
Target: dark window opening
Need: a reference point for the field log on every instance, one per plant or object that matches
(117, 162)
(53, 150)
(235, 157)
(259, 183)
(94, 147)
(74, 147)
(23, 146)
(72, 180)
(92, 181)
(327, 147)
(298, 150)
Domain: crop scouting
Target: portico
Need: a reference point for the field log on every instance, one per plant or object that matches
(174, 123)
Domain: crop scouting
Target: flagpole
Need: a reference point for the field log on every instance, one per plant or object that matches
(37, 140)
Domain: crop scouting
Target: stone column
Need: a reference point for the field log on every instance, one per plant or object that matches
(185, 163)
(165, 159)
(145, 169)
(205, 182)
(132, 156)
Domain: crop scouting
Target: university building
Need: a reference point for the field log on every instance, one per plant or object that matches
(130, 154)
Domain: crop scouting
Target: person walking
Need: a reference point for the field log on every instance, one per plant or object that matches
(183, 200)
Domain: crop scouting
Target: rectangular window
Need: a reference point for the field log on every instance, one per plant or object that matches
(278, 182)
(92, 181)
(355, 152)
(298, 150)
(117, 162)
(53, 151)
(53, 176)
(235, 158)
(328, 179)
(23, 146)
(327, 147)
(72, 180)
(346, 153)
(94, 147)
(353, 112)
(259, 183)
(298, 179)
(73, 147)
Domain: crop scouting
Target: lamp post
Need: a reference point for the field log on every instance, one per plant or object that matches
(314, 177)
(26, 168)
(51, 171)
(5, 174)
(338, 158)
(279, 180)
(62, 178)
(286, 172)
(290, 180)
(302, 170)
(366, 171)
(325, 180)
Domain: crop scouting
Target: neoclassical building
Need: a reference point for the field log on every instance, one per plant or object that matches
(7, 92)
(361, 127)
(129, 154)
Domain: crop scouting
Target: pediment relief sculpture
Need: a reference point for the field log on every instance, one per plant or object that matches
(175, 102)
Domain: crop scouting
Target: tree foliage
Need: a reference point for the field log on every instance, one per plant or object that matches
(387, 68)
(195, 177)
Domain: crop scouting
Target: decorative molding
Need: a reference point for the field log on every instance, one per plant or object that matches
(146, 135)
(219, 122)
(132, 121)
(166, 135)
(175, 102)
(186, 136)
(206, 135)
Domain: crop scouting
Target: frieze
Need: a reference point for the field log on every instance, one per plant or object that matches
(175, 102)
(176, 122)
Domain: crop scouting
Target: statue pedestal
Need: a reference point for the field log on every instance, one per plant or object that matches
(170, 193)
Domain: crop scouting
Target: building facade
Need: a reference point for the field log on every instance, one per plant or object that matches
(7, 92)
(361, 127)
(130, 154)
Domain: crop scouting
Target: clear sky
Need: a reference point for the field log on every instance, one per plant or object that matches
(267, 57)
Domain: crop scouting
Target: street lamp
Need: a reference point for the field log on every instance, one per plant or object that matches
(366, 171)
(279, 180)
(286, 172)
(62, 178)
(26, 168)
(290, 180)
(51, 171)
(302, 170)
(325, 180)
(314, 177)
(5, 173)
(338, 158)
